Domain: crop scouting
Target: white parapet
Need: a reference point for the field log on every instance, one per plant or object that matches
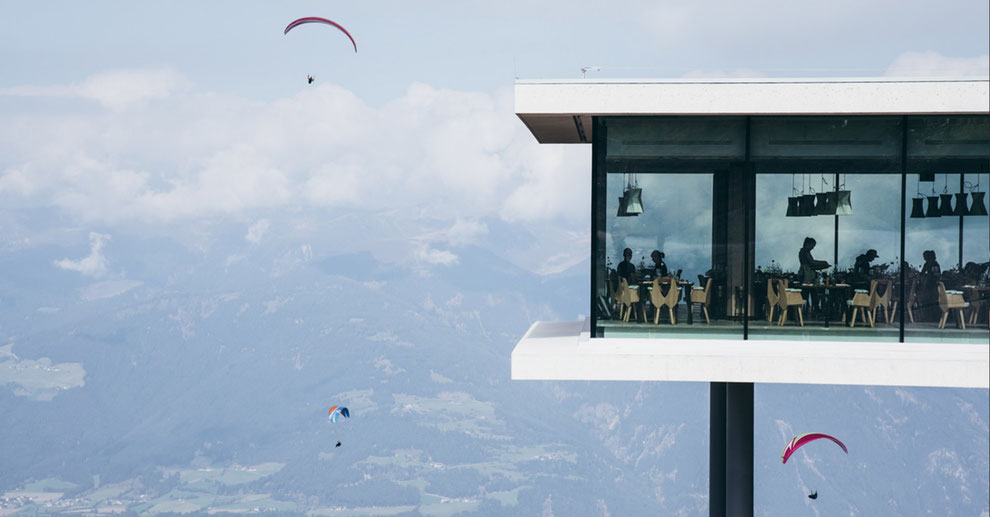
(564, 351)
(560, 111)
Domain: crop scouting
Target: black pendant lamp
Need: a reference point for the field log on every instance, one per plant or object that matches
(918, 208)
(945, 203)
(807, 205)
(933, 210)
(792, 202)
(978, 208)
(792, 207)
(918, 202)
(962, 207)
(824, 201)
(622, 207)
(821, 204)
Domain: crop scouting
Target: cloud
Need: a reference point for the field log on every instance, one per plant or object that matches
(108, 289)
(115, 89)
(466, 232)
(95, 264)
(428, 255)
(933, 64)
(257, 231)
(448, 154)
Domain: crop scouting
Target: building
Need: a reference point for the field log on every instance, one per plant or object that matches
(809, 231)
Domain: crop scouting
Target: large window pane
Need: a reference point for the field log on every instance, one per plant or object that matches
(813, 272)
(675, 226)
(947, 286)
(659, 188)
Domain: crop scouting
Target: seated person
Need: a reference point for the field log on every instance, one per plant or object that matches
(972, 272)
(626, 269)
(659, 268)
(809, 266)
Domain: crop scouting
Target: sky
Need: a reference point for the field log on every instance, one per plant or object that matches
(169, 117)
(149, 116)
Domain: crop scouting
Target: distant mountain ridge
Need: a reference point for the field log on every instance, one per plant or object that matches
(206, 386)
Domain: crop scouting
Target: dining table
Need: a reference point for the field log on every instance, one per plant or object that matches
(827, 301)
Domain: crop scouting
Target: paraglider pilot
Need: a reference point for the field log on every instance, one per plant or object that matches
(310, 79)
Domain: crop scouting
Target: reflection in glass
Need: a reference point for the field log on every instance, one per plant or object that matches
(813, 274)
(659, 263)
(947, 262)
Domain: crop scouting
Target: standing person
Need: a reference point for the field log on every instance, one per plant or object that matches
(928, 279)
(659, 267)
(809, 266)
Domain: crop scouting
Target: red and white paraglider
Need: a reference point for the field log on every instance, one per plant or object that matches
(803, 439)
(315, 19)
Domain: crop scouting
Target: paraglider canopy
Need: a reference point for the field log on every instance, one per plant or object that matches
(314, 19)
(338, 411)
(802, 439)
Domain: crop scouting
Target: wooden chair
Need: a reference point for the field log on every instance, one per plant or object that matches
(613, 293)
(911, 299)
(772, 298)
(976, 302)
(862, 300)
(628, 299)
(669, 300)
(703, 296)
(881, 300)
(787, 299)
(948, 301)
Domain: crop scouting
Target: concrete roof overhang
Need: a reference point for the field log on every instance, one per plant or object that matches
(560, 111)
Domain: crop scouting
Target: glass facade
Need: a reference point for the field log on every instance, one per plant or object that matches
(799, 227)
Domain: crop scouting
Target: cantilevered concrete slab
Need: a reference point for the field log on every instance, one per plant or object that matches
(560, 111)
(564, 351)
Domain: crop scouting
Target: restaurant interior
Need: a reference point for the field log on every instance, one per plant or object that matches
(866, 228)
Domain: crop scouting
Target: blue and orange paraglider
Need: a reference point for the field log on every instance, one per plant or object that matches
(806, 438)
(338, 411)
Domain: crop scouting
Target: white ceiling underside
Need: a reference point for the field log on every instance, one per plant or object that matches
(564, 351)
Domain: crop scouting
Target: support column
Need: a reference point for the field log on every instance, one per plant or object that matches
(599, 183)
(730, 489)
(731, 191)
(716, 451)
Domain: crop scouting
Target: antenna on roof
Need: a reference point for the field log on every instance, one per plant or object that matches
(585, 69)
